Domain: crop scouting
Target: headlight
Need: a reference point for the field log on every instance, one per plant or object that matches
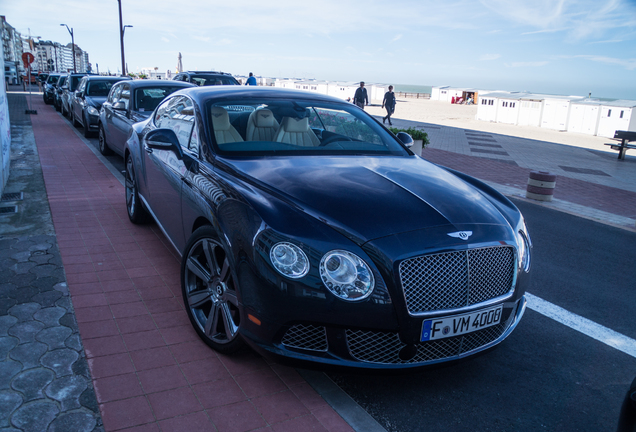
(346, 275)
(523, 242)
(93, 111)
(289, 260)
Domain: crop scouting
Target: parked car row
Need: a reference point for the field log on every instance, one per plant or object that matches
(307, 230)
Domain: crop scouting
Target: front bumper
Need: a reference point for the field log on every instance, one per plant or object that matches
(372, 349)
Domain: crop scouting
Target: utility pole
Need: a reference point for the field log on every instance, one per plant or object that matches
(122, 30)
(70, 30)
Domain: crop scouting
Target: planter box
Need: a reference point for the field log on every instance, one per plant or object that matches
(417, 147)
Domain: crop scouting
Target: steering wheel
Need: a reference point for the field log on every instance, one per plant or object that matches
(333, 139)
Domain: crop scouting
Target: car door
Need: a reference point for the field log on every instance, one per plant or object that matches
(107, 113)
(120, 120)
(165, 171)
(78, 101)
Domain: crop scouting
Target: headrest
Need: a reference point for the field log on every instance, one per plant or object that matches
(291, 124)
(220, 119)
(264, 118)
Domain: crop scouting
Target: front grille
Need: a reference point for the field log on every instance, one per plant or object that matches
(384, 348)
(454, 280)
(308, 337)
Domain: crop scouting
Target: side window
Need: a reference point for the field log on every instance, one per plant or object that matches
(81, 86)
(125, 95)
(112, 96)
(177, 114)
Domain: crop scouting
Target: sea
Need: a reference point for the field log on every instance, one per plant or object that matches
(408, 88)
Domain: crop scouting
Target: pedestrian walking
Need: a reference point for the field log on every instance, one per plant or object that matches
(389, 103)
(251, 80)
(360, 98)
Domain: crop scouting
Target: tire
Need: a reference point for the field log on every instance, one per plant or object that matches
(103, 145)
(135, 209)
(87, 131)
(57, 107)
(210, 292)
(74, 120)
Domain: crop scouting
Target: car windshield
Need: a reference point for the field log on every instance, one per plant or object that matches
(147, 98)
(62, 80)
(209, 80)
(74, 82)
(296, 127)
(52, 79)
(98, 88)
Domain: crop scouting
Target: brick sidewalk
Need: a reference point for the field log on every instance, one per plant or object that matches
(150, 370)
(599, 197)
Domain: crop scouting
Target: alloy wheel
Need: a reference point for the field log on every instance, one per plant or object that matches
(210, 293)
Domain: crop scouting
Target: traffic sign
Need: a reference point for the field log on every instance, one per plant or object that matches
(27, 59)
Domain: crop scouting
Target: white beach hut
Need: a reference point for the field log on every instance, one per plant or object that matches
(439, 93)
(508, 108)
(584, 116)
(530, 110)
(617, 115)
(556, 110)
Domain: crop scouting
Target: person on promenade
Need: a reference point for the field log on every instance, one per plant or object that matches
(389, 103)
(361, 96)
(251, 80)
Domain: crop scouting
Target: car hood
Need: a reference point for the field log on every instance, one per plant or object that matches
(96, 101)
(366, 198)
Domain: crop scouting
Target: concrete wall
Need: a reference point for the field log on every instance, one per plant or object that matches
(611, 120)
(5, 130)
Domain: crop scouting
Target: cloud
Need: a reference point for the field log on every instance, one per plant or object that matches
(165, 39)
(629, 64)
(579, 20)
(527, 64)
(202, 38)
(488, 57)
(396, 38)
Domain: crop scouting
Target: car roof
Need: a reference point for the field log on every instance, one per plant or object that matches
(207, 72)
(106, 78)
(159, 83)
(201, 94)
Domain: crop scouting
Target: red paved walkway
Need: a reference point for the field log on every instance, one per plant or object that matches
(612, 200)
(150, 370)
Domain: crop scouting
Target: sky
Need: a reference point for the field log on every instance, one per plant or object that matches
(568, 47)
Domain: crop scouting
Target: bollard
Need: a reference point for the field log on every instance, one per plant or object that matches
(541, 185)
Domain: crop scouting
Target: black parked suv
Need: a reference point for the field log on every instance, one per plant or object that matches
(206, 78)
(87, 100)
(59, 91)
(69, 88)
(49, 88)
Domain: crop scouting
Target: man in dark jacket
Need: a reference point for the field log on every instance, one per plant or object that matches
(360, 98)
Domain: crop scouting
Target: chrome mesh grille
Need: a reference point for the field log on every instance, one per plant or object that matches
(454, 280)
(306, 337)
(384, 348)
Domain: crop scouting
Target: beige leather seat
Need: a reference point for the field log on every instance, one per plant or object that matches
(224, 132)
(261, 126)
(296, 131)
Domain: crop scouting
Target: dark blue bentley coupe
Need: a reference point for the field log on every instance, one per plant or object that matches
(310, 232)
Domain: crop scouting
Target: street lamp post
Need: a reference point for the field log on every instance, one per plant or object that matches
(70, 30)
(122, 30)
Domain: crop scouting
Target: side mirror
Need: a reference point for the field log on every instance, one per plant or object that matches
(405, 139)
(119, 106)
(164, 139)
(79, 94)
(64, 87)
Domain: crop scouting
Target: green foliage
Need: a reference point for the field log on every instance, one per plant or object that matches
(143, 76)
(416, 134)
(132, 74)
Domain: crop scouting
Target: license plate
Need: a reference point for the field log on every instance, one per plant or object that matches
(440, 328)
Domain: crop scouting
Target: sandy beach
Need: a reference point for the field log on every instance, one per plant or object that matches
(463, 116)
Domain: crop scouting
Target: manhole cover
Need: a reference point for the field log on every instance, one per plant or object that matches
(16, 196)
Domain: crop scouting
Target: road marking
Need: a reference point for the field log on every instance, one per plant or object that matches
(583, 325)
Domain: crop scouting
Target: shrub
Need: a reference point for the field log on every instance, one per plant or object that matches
(416, 134)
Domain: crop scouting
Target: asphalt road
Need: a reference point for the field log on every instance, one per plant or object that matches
(545, 376)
